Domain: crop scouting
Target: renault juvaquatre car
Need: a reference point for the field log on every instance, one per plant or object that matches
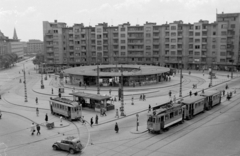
(70, 144)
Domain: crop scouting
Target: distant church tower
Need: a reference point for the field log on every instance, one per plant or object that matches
(15, 35)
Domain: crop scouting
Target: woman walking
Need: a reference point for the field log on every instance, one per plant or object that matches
(116, 127)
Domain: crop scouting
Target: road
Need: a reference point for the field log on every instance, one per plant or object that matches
(214, 132)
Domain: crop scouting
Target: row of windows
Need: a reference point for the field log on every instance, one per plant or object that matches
(199, 104)
(73, 109)
(172, 114)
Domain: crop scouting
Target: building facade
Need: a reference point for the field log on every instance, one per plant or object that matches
(34, 47)
(194, 46)
(3, 44)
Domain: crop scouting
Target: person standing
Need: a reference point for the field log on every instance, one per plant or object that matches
(32, 128)
(117, 115)
(190, 93)
(170, 93)
(226, 87)
(110, 91)
(46, 118)
(91, 122)
(52, 90)
(37, 111)
(149, 108)
(38, 129)
(140, 97)
(116, 127)
(223, 92)
(36, 100)
(96, 120)
(0, 114)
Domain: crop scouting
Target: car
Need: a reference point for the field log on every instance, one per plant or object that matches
(70, 144)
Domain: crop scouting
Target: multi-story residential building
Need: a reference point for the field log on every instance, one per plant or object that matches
(34, 47)
(198, 45)
(3, 44)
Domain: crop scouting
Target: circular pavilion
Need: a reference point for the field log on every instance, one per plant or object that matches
(110, 75)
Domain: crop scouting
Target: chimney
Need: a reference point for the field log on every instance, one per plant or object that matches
(55, 21)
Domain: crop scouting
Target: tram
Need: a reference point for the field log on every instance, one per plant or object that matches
(164, 117)
(194, 105)
(66, 108)
(213, 98)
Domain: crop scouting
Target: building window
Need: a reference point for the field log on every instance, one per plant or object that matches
(122, 29)
(122, 53)
(198, 27)
(99, 36)
(99, 30)
(222, 54)
(148, 41)
(123, 41)
(197, 46)
(173, 52)
(223, 47)
(123, 47)
(173, 46)
(99, 48)
(222, 60)
(173, 34)
(173, 40)
(223, 33)
(196, 53)
(122, 35)
(148, 47)
(223, 40)
(148, 35)
(232, 25)
(197, 34)
(224, 26)
(99, 42)
(173, 27)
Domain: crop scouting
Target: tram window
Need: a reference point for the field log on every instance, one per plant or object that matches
(176, 113)
(171, 115)
(153, 119)
(180, 111)
(166, 117)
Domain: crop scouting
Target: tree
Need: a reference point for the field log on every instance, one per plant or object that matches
(8, 59)
(38, 59)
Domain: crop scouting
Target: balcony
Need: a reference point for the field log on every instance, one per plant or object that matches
(70, 38)
(135, 43)
(140, 37)
(49, 51)
(49, 45)
(49, 39)
(135, 49)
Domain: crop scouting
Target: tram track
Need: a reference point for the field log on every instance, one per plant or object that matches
(183, 129)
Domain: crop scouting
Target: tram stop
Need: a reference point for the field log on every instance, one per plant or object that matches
(96, 102)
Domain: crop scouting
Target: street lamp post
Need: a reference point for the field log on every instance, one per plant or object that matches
(42, 85)
(137, 121)
(180, 91)
(232, 69)
(25, 83)
(122, 98)
(98, 86)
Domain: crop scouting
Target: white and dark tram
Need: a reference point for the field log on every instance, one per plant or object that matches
(213, 98)
(66, 108)
(169, 114)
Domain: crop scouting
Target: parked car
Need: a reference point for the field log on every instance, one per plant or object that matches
(70, 144)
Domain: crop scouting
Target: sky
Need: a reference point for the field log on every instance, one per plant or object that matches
(27, 15)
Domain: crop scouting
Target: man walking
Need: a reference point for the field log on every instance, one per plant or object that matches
(38, 129)
(32, 128)
(46, 118)
(170, 93)
(91, 122)
(36, 100)
(149, 108)
(37, 111)
(190, 93)
(96, 120)
(116, 128)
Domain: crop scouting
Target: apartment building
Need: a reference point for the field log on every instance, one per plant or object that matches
(34, 47)
(3, 44)
(195, 46)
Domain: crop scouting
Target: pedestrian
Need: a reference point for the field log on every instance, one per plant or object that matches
(170, 93)
(116, 128)
(37, 111)
(174, 98)
(110, 91)
(104, 112)
(190, 93)
(195, 93)
(52, 90)
(193, 86)
(223, 92)
(149, 108)
(38, 129)
(117, 115)
(226, 87)
(36, 100)
(46, 118)
(83, 121)
(32, 128)
(209, 85)
(91, 122)
(203, 91)
(96, 120)
(144, 97)
(0, 114)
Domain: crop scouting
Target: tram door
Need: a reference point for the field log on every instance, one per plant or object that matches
(69, 112)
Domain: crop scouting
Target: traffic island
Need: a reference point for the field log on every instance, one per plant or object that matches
(140, 130)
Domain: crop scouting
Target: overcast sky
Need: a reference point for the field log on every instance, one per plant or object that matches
(27, 15)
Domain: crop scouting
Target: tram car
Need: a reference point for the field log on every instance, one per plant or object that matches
(66, 108)
(164, 117)
(213, 98)
(194, 105)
